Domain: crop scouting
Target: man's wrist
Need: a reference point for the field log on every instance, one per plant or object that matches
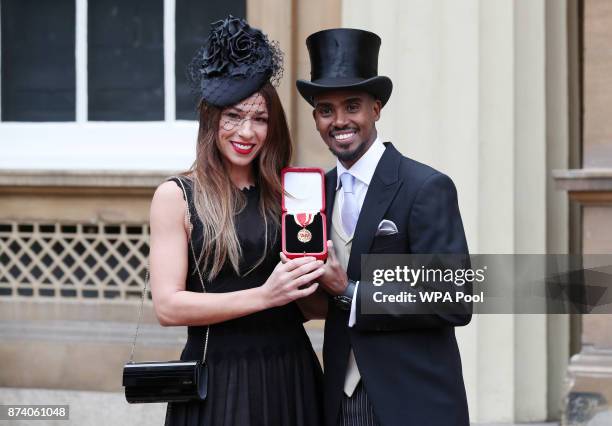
(344, 300)
(350, 289)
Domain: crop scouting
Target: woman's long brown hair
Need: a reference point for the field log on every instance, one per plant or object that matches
(216, 198)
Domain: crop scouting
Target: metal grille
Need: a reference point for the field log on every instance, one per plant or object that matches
(74, 261)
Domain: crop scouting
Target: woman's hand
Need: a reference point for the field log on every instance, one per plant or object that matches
(313, 306)
(283, 285)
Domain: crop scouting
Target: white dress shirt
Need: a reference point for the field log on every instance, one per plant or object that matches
(362, 170)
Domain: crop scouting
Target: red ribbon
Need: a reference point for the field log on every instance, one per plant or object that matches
(304, 219)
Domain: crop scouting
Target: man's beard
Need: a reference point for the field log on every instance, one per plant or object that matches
(349, 156)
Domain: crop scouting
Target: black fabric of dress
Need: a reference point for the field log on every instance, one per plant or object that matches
(262, 367)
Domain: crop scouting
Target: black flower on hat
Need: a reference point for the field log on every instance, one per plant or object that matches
(234, 63)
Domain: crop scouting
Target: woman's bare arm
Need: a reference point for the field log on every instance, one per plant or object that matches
(174, 305)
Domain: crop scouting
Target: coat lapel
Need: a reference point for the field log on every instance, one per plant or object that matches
(381, 191)
(330, 195)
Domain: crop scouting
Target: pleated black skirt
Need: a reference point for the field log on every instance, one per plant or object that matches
(264, 378)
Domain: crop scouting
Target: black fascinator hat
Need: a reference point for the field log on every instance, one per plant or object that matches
(235, 62)
(344, 58)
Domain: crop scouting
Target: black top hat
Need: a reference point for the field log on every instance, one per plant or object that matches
(235, 62)
(344, 58)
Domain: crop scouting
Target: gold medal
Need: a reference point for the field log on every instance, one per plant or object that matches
(304, 236)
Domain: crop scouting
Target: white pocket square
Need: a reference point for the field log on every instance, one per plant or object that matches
(386, 227)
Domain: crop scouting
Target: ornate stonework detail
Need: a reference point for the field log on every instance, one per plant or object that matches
(73, 260)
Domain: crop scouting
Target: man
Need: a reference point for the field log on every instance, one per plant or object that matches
(379, 369)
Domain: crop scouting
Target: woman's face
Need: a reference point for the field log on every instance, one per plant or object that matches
(242, 131)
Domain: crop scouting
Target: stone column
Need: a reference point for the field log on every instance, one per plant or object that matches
(589, 376)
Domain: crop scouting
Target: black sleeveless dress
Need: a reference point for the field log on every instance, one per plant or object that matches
(262, 368)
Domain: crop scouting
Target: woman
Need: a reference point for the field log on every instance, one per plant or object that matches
(262, 368)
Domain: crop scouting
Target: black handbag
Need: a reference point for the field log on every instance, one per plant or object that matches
(167, 381)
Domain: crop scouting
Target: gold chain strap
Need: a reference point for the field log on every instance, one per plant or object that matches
(144, 291)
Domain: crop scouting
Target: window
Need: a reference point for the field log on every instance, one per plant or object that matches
(125, 60)
(120, 66)
(38, 61)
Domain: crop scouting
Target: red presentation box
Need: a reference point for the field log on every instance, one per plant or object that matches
(303, 221)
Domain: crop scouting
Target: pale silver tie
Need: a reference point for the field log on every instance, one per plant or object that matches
(352, 378)
(350, 209)
(350, 214)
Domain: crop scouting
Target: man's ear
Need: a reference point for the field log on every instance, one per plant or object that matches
(377, 107)
(314, 117)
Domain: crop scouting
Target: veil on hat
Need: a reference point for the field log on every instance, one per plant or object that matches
(235, 62)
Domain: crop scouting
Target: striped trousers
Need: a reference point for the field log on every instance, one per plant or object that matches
(357, 410)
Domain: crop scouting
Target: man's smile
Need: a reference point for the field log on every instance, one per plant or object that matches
(344, 137)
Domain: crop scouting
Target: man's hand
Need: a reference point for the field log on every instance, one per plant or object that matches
(334, 279)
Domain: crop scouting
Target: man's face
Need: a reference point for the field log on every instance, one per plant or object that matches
(345, 119)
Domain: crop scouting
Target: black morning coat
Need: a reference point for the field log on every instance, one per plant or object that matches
(409, 364)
